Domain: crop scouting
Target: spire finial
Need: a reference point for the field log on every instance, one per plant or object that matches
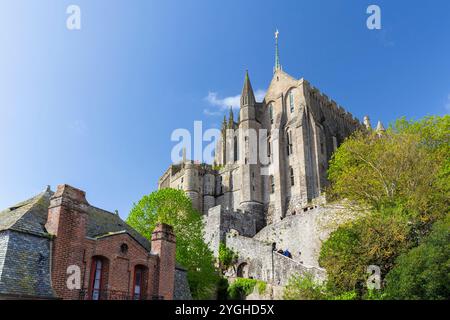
(380, 127)
(231, 119)
(277, 55)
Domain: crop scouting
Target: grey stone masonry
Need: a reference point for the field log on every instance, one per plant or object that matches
(25, 265)
(181, 287)
(267, 183)
(273, 161)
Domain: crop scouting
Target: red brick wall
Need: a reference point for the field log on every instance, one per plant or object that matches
(67, 220)
(121, 265)
(163, 244)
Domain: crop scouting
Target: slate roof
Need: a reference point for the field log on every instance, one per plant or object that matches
(30, 217)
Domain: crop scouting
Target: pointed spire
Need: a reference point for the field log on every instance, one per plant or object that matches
(277, 54)
(224, 123)
(231, 119)
(247, 95)
(380, 127)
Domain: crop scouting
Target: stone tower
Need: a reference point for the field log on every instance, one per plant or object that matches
(273, 161)
(249, 127)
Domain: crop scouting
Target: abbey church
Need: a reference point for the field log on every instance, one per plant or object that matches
(296, 126)
(270, 165)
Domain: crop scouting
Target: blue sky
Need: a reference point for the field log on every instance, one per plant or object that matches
(95, 107)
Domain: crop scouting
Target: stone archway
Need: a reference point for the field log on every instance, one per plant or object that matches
(242, 270)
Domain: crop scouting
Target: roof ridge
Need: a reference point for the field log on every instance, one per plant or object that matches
(33, 202)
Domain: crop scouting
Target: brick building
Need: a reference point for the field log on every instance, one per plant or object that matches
(56, 245)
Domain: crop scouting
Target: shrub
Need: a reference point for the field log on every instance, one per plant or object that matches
(242, 287)
(304, 287)
(424, 271)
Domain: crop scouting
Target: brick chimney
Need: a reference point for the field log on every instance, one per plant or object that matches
(163, 244)
(66, 221)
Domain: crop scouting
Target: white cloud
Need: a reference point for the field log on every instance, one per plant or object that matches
(225, 103)
(208, 112)
(259, 95)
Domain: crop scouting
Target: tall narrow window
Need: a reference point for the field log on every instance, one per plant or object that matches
(272, 184)
(269, 150)
(271, 113)
(292, 176)
(96, 278)
(291, 101)
(138, 283)
(289, 142)
(235, 149)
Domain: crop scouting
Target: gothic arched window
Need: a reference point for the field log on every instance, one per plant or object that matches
(235, 149)
(98, 279)
(271, 113)
(291, 101)
(289, 142)
(139, 282)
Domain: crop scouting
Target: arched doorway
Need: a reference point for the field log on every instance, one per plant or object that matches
(242, 270)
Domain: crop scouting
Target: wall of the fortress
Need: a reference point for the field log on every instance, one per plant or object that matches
(218, 222)
(304, 233)
(260, 262)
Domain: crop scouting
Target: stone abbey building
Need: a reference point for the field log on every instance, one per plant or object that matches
(296, 126)
(271, 162)
(270, 167)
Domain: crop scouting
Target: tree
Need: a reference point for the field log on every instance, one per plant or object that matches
(423, 272)
(175, 208)
(401, 179)
(304, 287)
(373, 240)
(408, 165)
(227, 257)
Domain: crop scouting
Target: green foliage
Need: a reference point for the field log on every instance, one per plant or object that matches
(349, 295)
(262, 287)
(217, 167)
(304, 288)
(408, 166)
(401, 178)
(175, 208)
(423, 272)
(373, 240)
(374, 294)
(227, 257)
(222, 289)
(242, 287)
